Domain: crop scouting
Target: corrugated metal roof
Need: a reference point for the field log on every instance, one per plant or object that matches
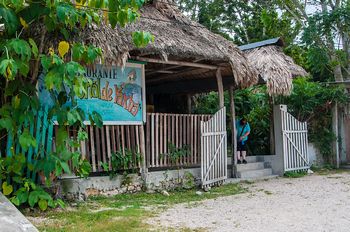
(274, 41)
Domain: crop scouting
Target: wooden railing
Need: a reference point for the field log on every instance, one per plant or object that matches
(179, 130)
(160, 131)
(103, 142)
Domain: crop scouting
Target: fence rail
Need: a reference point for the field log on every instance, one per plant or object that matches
(179, 130)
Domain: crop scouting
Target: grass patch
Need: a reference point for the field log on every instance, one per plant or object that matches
(126, 212)
(295, 174)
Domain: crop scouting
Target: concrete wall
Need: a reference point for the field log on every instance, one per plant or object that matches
(81, 188)
(314, 155)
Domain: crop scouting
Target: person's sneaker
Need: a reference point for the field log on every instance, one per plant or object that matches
(239, 162)
(244, 161)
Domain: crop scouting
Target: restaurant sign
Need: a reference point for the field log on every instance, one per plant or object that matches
(117, 94)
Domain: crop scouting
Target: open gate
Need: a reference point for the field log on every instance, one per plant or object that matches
(214, 150)
(295, 142)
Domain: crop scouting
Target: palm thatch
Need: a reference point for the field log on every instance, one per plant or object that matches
(176, 38)
(275, 67)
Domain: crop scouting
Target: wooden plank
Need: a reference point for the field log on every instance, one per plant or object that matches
(108, 140)
(113, 140)
(98, 148)
(157, 139)
(153, 141)
(144, 168)
(122, 134)
(103, 143)
(148, 140)
(127, 137)
(161, 138)
(173, 62)
(195, 144)
(192, 132)
(166, 133)
(118, 138)
(138, 150)
(93, 153)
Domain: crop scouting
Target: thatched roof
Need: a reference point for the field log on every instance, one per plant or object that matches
(177, 38)
(273, 65)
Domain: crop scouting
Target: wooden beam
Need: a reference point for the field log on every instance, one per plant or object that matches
(174, 62)
(164, 69)
(234, 137)
(220, 88)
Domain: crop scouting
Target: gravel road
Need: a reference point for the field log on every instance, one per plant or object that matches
(312, 203)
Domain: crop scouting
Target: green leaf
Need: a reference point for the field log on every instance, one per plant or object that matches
(10, 19)
(22, 197)
(35, 50)
(21, 48)
(141, 38)
(42, 204)
(61, 203)
(26, 140)
(15, 201)
(65, 167)
(8, 68)
(6, 188)
(53, 79)
(6, 123)
(33, 198)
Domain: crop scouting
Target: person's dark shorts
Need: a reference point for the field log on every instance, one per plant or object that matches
(241, 147)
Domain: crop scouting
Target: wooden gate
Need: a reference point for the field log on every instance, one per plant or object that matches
(295, 142)
(214, 149)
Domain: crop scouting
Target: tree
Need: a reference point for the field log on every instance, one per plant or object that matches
(243, 21)
(22, 58)
(325, 31)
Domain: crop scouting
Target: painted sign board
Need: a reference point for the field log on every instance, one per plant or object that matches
(116, 93)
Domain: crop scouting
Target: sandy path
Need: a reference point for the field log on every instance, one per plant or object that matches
(312, 203)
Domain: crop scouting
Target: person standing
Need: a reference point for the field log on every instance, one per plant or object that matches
(243, 130)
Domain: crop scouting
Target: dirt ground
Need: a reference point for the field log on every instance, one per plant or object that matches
(311, 203)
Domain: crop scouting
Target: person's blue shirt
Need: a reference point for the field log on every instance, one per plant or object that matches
(239, 129)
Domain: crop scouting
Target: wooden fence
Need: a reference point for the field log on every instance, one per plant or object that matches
(162, 131)
(103, 142)
(176, 130)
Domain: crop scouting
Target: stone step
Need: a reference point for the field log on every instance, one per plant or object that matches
(254, 173)
(250, 159)
(250, 166)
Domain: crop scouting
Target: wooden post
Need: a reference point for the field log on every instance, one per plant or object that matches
(189, 104)
(220, 88)
(234, 139)
(144, 168)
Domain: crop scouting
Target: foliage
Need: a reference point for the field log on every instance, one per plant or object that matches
(122, 161)
(295, 174)
(309, 101)
(188, 181)
(243, 21)
(176, 153)
(22, 58)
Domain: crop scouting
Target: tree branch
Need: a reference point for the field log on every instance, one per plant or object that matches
(37, 62)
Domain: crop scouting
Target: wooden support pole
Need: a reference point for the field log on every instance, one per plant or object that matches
(272, 132)
(233, 127)
(220, 88)
(189, 104)
(144, 168)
